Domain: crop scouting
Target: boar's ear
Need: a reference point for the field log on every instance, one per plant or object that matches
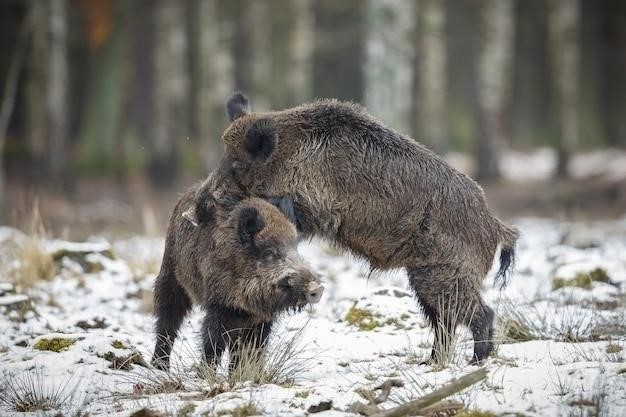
(237, 105)
(261, 139)
(285, 205)
(250, 223)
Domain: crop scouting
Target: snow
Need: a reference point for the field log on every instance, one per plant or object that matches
(540, 164)
(576, 352)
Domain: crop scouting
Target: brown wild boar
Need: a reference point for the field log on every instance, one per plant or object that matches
(239, 263)
(381, 195)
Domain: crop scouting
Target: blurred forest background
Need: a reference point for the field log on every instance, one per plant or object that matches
(109, 108)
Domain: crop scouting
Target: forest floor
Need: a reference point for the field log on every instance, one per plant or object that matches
(596, 189)
(80, 339)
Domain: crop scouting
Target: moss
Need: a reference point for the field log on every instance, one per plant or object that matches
(118, 344)
(55, 344)
(302, 394)
(613, 348)
(582, 279)
(621, 371)
(186, 410)
(242, 411)
(363, 319)
(396, 323)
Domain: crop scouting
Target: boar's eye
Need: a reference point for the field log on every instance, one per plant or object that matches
(269, 254)
(239, 168)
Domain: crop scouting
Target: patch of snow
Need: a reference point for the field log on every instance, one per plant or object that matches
(102, 309)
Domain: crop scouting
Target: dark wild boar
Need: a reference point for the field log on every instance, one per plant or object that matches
(239, 262)
(381, 195)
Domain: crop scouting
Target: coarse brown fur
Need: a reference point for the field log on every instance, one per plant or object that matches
(382, 196)
(239, 262)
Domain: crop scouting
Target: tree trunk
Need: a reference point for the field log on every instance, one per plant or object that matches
(339, 49)
(494, 62)
(9, 92)
(565, 52)
(215, 77)
(290, 37)
(432, 84)
(101, 121)
(36, 90)
(531, 106)
(390, 62)
(56, 100)
(170, 88)
(143, 102)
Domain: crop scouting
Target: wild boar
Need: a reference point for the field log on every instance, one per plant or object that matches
(382, 196)
(239, 263)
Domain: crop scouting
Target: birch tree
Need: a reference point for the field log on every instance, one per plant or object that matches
(389, 64)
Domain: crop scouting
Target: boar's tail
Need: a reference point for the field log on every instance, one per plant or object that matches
(507, 255)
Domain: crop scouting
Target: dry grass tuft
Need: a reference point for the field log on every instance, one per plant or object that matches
(280, 363)
(29, 391)
(31, 261)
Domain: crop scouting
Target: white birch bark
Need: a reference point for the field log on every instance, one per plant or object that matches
(389, 62)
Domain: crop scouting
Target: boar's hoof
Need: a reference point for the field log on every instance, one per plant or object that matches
(477, 362)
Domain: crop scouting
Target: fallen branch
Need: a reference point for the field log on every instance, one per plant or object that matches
(452, 387)
(372, 407)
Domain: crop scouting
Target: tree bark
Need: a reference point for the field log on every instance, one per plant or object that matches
(389, 63)
(56, 100)
(10, 92)
(170, 88)
(431, 29)
(216, 79)
(494, 62)
(339, 49)
(565, 52)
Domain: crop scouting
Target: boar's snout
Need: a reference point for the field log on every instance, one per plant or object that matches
(304, 286)
(314, 293)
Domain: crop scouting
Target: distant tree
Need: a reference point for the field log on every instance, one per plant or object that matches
(104, 93)
(390, 59)
(493, 65)
(338, 56)
(432, 85)
(56, 100)
(530, 108)
(215, 76)
(47, 93)
(288, 45)
(565, 53)
(8, 99)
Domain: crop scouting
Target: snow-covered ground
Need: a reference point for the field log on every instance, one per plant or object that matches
(571, 362)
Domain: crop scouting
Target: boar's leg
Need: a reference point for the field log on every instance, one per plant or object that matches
(171, 304)
(480, 323)
(248, 346)
(441, 304)
(447, 302)
(213, 337)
